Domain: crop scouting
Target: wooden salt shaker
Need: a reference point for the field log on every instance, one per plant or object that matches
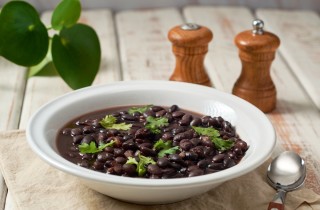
(189, 45)
(256, 50)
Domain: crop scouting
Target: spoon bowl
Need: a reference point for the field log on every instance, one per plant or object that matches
(286, 172)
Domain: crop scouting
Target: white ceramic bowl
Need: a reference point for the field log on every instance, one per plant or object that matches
(251, 124)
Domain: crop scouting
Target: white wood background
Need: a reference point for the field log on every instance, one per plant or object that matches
(135, 46)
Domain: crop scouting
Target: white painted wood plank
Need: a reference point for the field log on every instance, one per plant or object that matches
(144, 47)
(299, 33)
(43, 89)
(12, 86)
(295, 119)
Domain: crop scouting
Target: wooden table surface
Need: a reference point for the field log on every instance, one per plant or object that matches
(135, 46)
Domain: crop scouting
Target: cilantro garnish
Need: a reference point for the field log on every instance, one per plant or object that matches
(214, 135)
(109, 122)
(139, 109)
(153, 124)
(165, 147)
(91, 148)
(141, 165)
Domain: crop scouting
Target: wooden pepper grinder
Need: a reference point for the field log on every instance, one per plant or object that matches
(189, 45)
(256, 51)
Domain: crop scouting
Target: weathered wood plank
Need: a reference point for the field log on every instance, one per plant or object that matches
(12, 86)
(300, 45)
(295, 119)
(144, 47)
(42, 89)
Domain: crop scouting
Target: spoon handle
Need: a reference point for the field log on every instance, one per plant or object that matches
(278, 201)
(275, 206)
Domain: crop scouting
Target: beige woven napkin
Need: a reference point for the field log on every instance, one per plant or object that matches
(35, 185)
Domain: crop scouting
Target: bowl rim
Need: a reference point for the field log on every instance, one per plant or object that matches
(221, 176)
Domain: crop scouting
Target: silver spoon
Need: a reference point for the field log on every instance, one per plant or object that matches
(286, 172)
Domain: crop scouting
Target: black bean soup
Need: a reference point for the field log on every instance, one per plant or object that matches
(151, 142)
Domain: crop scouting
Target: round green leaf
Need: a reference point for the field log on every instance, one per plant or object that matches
(76, 55)
(66, 14)
(24, 39)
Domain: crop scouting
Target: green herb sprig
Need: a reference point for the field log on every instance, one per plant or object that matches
(153, 124)
(109, 122)
(73, 51)
(91, 148)
(165, 148)
(142, 164)
(214, 135)
(139, 109)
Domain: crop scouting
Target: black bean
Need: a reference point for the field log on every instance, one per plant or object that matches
(87, 139)
(231, 155)
(96, 123)
(118, 152)
(129, 145)
(237, 151)
(76, 131)
(197, 172)
(242, 145)
(206, 141)
(191, 156)
(156, 108)
(216, 166)
(168, 172)
(173, 108)
(129, 117)
(129, 169)
(77, 139)
(185, 144)
(177, 114)
(196, 122)
(118, 169)
(66, 131)
(147, 151)
(214, 122)
(163, 162)
(205, 120)
(71, 154)
(169, 117)
(112, 132)
(84, 164)
(167, 136)
(176, 166)
(104, 156)
(120, 160)
(192, 168)
(115, 114)
(199, 150)
(109, 149)
(195, 141)
(127, 137)
(218, 158)
(142, 133)
(184, 122)
(175, 158)
(203, 164)
(98, 165)
(128, 153)
(87, 156)
(161, 113)
(154, 169)
(87, 129)
(227, 162)
(123, 112)
(177, 130)
(149, 113)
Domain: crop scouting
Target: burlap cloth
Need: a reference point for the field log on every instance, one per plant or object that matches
(35, 185)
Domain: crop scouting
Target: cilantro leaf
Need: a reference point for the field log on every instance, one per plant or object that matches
(141, 165)
(139, 109)
(165, 148)
(91, 148)
(160, 144)
(214, 135)
(211, 132)
(222, 144)
(172, 150)
(153, 124)
(109, 122)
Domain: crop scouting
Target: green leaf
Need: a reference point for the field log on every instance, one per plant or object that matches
(172, 150)
(221, 144)
(109, 122)
(91, 148)
(24, 38)
(153, 124)
(214, 135)
(211, 132)
(66, 14)
(76, 55)
(160, 144)
(139, 109)
(142, 164)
